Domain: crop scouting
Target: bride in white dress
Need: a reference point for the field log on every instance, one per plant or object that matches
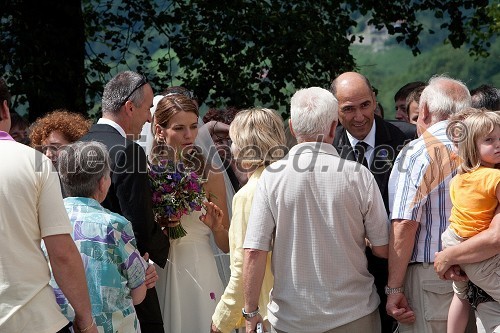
(189, 287)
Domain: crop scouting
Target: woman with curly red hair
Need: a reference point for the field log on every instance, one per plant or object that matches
(56, 129)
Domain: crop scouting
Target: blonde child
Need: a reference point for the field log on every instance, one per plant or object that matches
(475, 195)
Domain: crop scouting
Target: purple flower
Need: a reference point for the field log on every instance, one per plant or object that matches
(167, 188)
(193, 187)
(156, 197)
(175, 190)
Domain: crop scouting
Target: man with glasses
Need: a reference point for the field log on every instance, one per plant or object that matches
(126, 100)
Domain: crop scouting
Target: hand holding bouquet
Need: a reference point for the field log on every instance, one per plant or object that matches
(176, 191)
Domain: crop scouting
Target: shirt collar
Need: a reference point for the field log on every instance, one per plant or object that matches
(369, 139)
(439, 126)
(256, 174)
(81, 201)
(106, 121)
(313, 146)
(5, 136)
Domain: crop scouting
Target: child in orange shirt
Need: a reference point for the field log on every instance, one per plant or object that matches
(475, 195)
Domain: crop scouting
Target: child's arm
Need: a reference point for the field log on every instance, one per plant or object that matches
(458, 315)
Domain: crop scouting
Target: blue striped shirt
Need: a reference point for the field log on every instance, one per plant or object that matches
(419, 188)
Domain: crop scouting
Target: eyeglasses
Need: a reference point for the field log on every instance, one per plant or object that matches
(54, 149)
(143, 81)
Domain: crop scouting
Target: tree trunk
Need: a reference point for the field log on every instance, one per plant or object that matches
(51, 54)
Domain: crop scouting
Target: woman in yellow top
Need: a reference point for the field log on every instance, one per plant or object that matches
(475, 194)
(258, 138)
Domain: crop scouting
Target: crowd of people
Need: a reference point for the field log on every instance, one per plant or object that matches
(334, 221)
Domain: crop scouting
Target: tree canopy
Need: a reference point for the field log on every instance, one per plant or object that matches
(239, 53)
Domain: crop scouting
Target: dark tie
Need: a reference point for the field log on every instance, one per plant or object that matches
(360, 150)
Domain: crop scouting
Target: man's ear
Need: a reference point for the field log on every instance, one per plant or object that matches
(291, 128)
(424, 112)
(102, 184)
(333, 127)
(4, 111)
(129, 107)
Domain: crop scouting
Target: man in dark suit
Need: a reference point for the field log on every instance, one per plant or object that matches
(126, 101)
(373, 142)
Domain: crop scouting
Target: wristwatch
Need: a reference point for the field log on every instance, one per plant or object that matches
(390, 291)
(249, 315)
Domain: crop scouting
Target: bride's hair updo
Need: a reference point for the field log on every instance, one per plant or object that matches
(168, 107)
(172, 104)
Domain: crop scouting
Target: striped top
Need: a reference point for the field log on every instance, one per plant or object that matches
(419, 188)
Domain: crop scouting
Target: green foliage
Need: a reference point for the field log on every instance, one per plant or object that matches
(225, 47)
(482, 27)
(239, 51)
(123, 35)
(43, 52)
(393, 67)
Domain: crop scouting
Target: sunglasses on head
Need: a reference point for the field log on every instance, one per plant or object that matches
(141, 83)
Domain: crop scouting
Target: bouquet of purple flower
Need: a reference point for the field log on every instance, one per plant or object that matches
(177, 191)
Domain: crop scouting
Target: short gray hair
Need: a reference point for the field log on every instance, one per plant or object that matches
(81, 165)
(312, 111)
(122, 87)
(444, 97)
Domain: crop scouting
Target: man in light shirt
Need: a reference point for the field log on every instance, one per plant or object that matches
(31, 209)
(315, 211)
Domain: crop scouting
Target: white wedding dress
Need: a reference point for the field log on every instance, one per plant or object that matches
(189, 287)
(191, 284)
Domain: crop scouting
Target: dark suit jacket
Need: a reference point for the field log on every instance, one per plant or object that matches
(409, 130)
(389, 140)
(130, 193)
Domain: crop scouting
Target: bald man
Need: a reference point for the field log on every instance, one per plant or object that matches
(382, 142)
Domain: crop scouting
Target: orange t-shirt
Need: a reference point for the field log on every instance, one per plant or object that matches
(474, 199)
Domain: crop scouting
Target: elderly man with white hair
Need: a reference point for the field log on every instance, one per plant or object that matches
(421, 207)
(315, 211)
